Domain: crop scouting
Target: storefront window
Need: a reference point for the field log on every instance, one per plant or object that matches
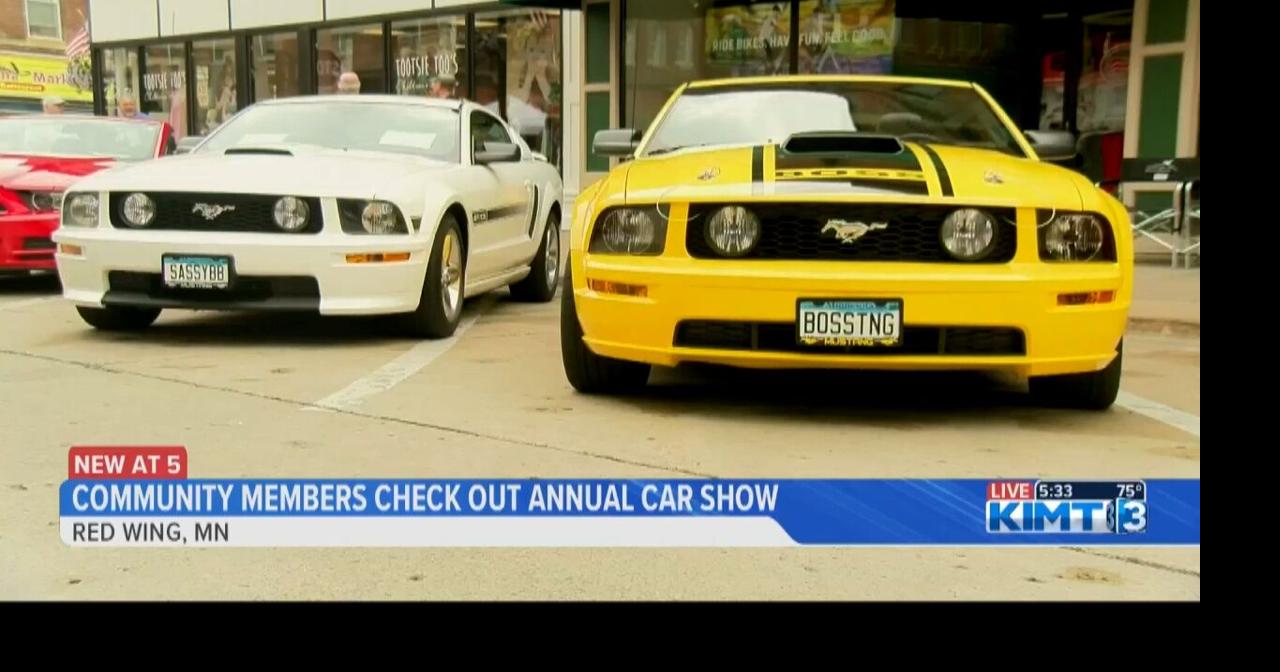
(164, 85)
(215, 77)
(846, 36)
(120, 81)
(430, 57)
(349, 60)
(668, 44)
(1104, 73)
(518, 52)
(274, 66)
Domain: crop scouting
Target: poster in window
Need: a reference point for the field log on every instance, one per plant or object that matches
(846, 36)
(751, 39)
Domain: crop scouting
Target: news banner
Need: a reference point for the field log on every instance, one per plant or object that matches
(142, 496)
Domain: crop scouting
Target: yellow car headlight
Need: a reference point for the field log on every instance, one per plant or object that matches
(1074, 236)
(634, 231)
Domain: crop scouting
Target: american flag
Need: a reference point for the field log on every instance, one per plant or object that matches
(78, 45)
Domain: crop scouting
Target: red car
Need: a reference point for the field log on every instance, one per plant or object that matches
(41, 155)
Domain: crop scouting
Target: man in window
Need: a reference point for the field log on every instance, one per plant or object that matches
(349, 83)
(54, 105)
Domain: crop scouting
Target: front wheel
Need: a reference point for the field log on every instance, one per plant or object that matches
(588, 372)
(1094, 391)
(544, 271)
(117, 318)
(440, 305)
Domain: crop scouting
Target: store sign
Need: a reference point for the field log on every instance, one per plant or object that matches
(30, 76)
(159, 84)
(439, 65)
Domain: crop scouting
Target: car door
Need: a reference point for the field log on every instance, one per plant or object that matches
(501, 223)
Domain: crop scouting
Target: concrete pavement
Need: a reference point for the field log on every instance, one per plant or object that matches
(241, 390)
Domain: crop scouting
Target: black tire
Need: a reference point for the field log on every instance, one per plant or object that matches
(588, 372)
(1094, 391)
(432, 319)
(117, 318)
(540, 285)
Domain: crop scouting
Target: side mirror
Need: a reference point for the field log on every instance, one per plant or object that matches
(496, 152)
(616, 142)
(1053, 145)
(188, 143)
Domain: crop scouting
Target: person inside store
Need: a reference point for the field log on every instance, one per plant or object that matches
(349, 83)
(127, 104)
(443, 87)
(53, 105)
(487, 93)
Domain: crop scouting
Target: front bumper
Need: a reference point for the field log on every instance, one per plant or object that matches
(24, 242)
(1019, 295)
(122, 268)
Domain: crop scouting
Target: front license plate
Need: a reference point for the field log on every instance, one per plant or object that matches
(193, 272)
(846, 322)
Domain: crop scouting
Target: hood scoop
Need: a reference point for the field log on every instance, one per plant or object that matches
(841, 142)
(277, 151)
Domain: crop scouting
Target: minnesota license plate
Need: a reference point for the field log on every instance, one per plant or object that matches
(849, 322)
(194, 272)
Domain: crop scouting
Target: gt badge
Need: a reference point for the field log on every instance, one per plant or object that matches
(992, 177)
(211, 212)
(849, 232)
(709, 174)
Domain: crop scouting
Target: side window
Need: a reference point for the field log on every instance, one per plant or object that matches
(485, 128)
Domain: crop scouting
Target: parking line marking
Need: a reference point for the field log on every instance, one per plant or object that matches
(399, 369)
(13, 305)
(1157, 411)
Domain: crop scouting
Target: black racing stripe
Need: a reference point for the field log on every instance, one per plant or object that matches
(757, 164)
(904, 160)
(944, 179)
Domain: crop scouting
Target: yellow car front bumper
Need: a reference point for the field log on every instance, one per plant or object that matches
(1057, 339)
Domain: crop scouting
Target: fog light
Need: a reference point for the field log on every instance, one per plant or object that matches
(607, 287)
(968, 234)
(1086, 298)
(733, 231)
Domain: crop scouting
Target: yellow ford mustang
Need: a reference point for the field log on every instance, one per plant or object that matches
(844, 222)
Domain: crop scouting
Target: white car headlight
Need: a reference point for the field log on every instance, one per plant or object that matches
(733, 231)
(969, 234)
(636, 231)
(138, 210)
(370, 217)
(379, 217)
(291, 214)
(80, 210)
(1075, 236)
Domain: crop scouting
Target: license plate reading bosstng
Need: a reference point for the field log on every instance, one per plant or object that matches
(196, 272)
(856, 322)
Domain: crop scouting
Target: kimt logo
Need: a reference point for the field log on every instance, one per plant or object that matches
(1048, 516)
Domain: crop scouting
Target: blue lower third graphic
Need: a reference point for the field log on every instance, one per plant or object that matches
(600, 512)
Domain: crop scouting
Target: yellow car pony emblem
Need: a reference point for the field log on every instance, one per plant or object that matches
(849, 232)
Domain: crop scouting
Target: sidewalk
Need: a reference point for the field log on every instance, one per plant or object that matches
(1166, 299)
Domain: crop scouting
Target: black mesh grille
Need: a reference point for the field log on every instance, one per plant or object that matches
(252, 213)
(38, 244)
(795, 231)
(299, 291)
(781, 337)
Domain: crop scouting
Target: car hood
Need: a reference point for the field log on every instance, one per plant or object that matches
(933, 173)
(324, 173)
(27, 172)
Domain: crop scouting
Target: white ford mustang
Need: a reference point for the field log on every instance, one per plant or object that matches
(345, 205)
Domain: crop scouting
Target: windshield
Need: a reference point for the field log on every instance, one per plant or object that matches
(389, 127)
(746, 114)
(83, 136)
